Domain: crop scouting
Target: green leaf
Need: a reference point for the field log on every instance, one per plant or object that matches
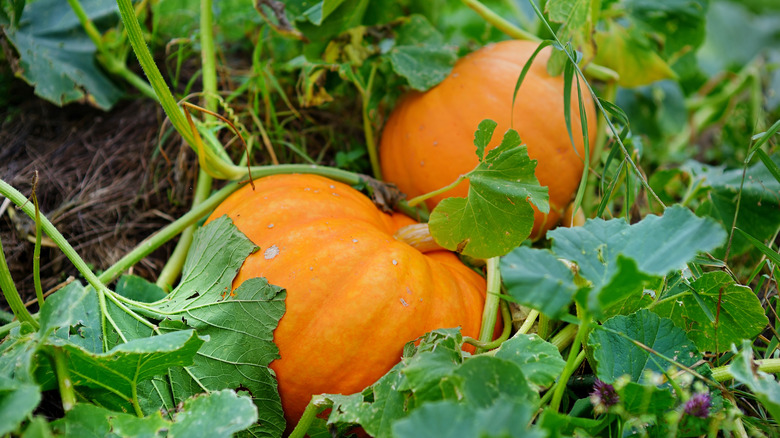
(485, 379)
(420, 54)
(139, 289)
(57, 58)
(503, 418)
(224, 412)
(576, 26)
(645, 399)
(124, 366)
(496, 216)
(536, 278)
(73, 314)
(680, 24)
(764, 386)
(425, 66)
(616, 354)
(240, 323)
(741, 315)
(598, 246)
(631, 55)
(539, 360)
(218, 414)
(17, 402)
(482, 136)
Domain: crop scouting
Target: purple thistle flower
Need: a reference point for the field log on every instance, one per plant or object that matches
(603, 396)
(699, 405)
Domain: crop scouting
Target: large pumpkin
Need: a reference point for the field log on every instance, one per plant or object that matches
(355, 295)
(428, 140)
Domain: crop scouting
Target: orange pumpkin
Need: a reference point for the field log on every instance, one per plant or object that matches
(355, 295)
(428, 140)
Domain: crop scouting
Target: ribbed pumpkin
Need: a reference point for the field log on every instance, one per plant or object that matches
(428, 140)
(355, 295)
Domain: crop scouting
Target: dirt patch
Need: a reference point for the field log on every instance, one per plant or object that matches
(105, 181)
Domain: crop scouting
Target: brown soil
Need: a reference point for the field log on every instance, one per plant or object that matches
(104, 182)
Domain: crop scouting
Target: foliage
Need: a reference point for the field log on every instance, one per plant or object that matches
(656, 317)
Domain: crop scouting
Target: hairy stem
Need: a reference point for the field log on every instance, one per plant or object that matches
(769, 366)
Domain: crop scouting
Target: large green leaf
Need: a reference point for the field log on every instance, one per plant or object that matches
(120, 369)
(448, 419)
(741, 315)
(496, 216)
(420, 54)
(73, 314)
(615, 259)
(616, 353)
(536, 278)
(631, 55)
(56, 56)
(239, 324)
(218, 414)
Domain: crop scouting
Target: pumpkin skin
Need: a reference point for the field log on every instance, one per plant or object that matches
(355, 295)
(428, 140)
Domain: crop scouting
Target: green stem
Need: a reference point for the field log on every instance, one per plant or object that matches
(416, 200)
(11, 294)
(593, 70)
(368, 129)
(207, 55)
(571, 362)
(63, 379)
(545, 327)
(529, 322)
(492, 298)
(134, 400)
(135, 35)
(564, 337)
(506, 317)
(770, 366)
(549, 394)
(37, 249)
(316, 404)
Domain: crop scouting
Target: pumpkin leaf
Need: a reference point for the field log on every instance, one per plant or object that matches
(741, 315)
(217, 414)
(536, 278)
(616, 354)
(240, 323)
(601, 249)
(445, 419)
(57, 57)
(496, 216)
(420, 55)
(125, 365)
(540, 360)
(438, 370)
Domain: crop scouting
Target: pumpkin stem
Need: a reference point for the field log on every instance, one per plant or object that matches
(419, 237)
